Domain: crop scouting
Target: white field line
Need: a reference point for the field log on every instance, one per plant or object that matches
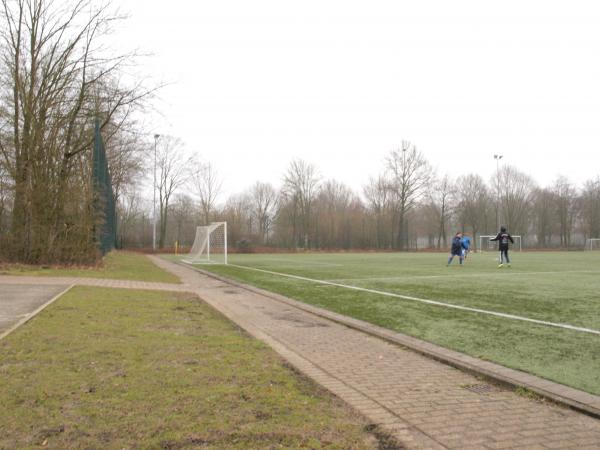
(461, 275)
(300, 264)
(429, 302)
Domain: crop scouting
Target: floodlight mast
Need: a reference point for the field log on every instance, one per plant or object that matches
(498, 158)
(156, 136)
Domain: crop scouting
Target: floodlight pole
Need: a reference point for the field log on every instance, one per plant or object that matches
(498, 158)
(404, 237)
(156, 136)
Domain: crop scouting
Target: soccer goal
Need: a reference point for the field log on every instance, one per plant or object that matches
(592, 244)
(210, 245)
(485, 245)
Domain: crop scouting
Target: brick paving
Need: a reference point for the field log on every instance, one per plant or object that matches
(422, 402)
(100, 282)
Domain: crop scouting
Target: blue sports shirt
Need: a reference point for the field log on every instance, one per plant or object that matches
(466, 242)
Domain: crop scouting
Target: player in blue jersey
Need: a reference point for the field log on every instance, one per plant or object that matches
(466, 245)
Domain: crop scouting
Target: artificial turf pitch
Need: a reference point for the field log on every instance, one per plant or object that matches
(561, 288)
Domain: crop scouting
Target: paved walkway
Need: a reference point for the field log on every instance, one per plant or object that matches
(424, 403)
(100, 282)
(18, 303)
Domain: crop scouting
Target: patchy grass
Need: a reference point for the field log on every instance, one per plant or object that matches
(110, 368)
(117, 265)
(527, 393)
(559, 287)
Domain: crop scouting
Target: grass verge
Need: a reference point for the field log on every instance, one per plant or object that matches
(116, 265)
(110, 368)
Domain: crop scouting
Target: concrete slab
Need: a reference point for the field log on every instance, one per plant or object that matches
(18, 302)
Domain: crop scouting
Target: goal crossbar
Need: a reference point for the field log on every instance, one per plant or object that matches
(592, 244)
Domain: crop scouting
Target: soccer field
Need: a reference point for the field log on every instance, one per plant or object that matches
(542, 315)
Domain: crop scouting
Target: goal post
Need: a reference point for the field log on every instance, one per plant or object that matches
(592, 244)
(485, 245)
(210, 245)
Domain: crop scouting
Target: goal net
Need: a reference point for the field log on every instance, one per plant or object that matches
(485, 245)
(210, 245)
(592, 244)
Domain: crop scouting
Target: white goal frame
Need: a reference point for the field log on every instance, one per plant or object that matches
(208, 243)
(589, 244)
(485, 239)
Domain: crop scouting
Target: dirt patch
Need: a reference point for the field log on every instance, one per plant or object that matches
(298, 320)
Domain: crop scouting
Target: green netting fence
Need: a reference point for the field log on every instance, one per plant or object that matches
(104, 199)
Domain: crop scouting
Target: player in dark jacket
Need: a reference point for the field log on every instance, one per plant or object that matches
(456, 249)
(503, 239)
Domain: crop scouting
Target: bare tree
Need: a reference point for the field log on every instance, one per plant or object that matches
(333, 215)
(173, 172)
(126, 150)
(410, 175)
(300, 186)
(543, 215)
(567, 206)
(237, 214)
(207, 186)
(5, 200)
(473, 204)
(264, 198)
(285, 222)
(440, 198)
(515, 190)
(590, 208)
(378, 194)
(56, 80)
(185, 219)
(130, 212)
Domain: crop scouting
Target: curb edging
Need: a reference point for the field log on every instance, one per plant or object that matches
(558, 393)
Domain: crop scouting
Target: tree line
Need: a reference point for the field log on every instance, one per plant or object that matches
(407, 206)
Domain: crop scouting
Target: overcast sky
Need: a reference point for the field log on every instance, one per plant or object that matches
(341, 83)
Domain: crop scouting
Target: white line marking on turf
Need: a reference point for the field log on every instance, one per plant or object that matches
(422, 300)
(303, 264)
(462, 275)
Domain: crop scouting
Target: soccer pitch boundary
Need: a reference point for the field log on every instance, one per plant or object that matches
(462, 275)
(422, 300)
(312, 263)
